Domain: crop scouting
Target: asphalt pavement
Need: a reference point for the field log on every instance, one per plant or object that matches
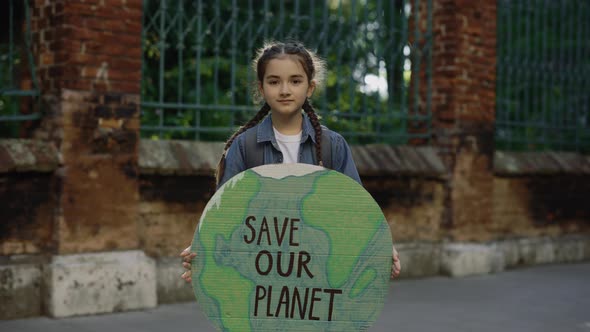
(542, 298)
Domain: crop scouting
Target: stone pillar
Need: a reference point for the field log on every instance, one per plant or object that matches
(88, 56)
(463, 108)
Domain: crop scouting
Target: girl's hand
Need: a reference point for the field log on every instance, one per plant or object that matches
(396, 267)
(187, 256)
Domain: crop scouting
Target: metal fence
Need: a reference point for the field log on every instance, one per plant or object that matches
(543, 85)
(197, 78)
(18, 84)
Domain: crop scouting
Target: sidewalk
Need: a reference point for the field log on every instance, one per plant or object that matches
(546, 298)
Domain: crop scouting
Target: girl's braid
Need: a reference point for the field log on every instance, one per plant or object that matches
(317, 128)
(254, 121)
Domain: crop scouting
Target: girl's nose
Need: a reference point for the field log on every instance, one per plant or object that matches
(284, 89)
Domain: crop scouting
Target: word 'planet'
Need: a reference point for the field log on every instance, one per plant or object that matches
(291, 247)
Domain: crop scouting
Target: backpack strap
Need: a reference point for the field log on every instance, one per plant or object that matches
(254, 151)
(326, 148)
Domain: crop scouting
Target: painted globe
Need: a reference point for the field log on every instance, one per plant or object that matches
(291, 248)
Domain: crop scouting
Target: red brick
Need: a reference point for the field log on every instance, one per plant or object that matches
(134, 4)
(114, 3)
(133, 27)
(95, 23)
(125, 63)
(89, 71)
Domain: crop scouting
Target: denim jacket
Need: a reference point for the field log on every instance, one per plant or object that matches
(341, 156)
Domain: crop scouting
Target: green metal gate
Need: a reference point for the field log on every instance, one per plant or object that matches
(17, 97)
(197, 79)
(543, 85)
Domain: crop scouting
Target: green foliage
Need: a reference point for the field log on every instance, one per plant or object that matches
(13, 67)
(197, 76)
(8, 107)
(543, 70)
(8, 104)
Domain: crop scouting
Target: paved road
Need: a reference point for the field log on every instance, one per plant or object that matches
(547, 298)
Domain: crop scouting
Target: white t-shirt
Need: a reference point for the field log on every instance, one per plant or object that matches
(289, 145)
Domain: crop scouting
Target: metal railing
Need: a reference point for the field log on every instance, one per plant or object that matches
(16, 68)
(543, 84)
(197, 78)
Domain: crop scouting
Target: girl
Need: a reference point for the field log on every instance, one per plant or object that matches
(287, 75)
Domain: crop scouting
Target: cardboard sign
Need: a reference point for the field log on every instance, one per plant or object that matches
(291, 248)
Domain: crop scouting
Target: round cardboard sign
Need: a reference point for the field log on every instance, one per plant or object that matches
(291, 247)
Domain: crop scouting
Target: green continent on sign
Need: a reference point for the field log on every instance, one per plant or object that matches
(292, 248)
(350, 211)
(364, 280)
(218, 280)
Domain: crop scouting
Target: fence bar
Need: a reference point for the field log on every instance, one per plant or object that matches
(543, 65)
(19, 89)
(365, 95)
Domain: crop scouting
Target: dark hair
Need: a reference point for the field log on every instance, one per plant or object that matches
(314, 69)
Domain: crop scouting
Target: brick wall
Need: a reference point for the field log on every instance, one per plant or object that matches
(28, 204)
(99, 150)
(540, 205)
(413, 206)
(28, 196)
(89, 65)
(464, 63)
(525, 203)
(171, 206)
(463, 98)
(88, 45)
(169, 210)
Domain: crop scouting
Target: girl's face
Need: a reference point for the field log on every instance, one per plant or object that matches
(285, 86)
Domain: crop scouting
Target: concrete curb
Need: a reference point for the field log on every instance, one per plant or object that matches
(99, 283)
(20, 288)
(84, 284)
(467, 259)
(172, 288)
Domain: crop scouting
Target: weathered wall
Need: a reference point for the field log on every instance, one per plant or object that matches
(169, 209)
(534, 206)
(28, 192)
(524, 206)
(171, 206)
(541, 194)
(27, 213)
(463, 109)
(408, 183)
(88, 57)
(536, 218)
(177, 182)
(87, 45)
(412, 206)
(98, 201)
(530, 199)
(88, 62)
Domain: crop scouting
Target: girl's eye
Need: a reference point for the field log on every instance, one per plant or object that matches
(296, 81)
(273, 82)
